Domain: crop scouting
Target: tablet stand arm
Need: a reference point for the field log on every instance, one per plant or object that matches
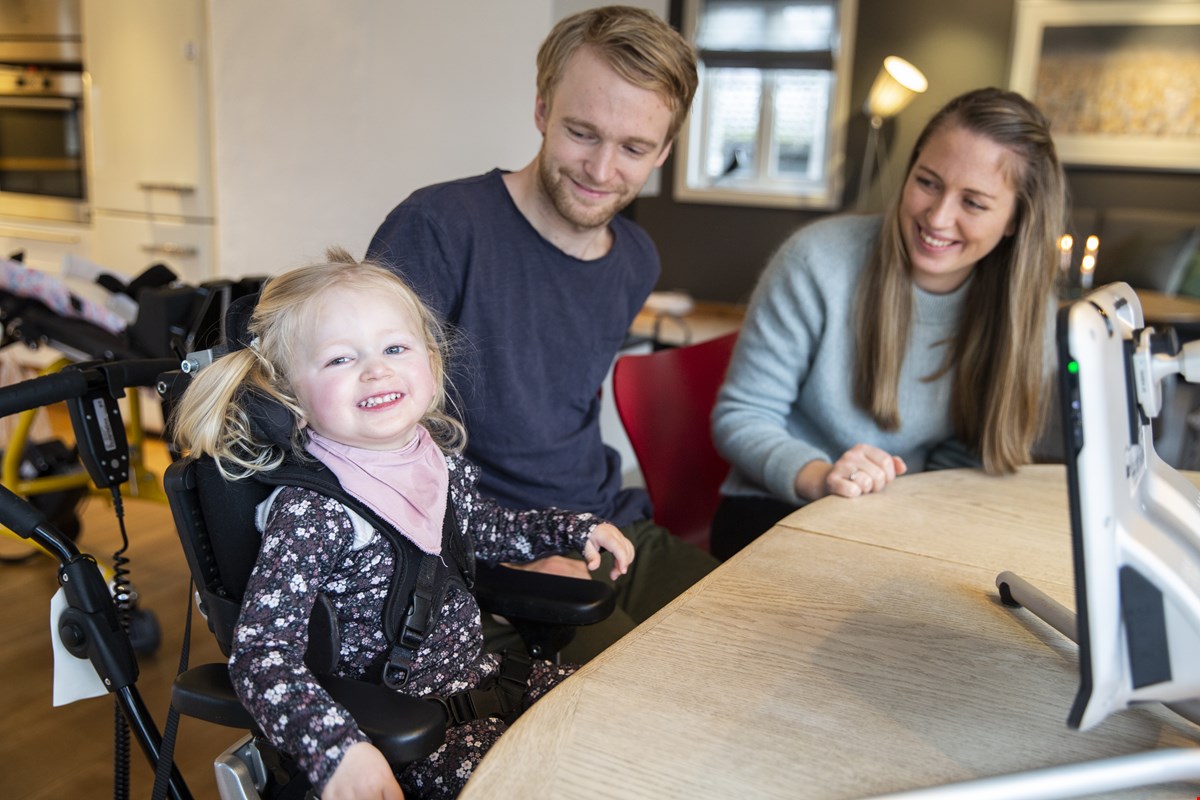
(1087, 779)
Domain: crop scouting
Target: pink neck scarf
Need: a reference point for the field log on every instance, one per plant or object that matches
(407, 487)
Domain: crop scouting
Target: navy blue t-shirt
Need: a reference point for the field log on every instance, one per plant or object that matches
(537, 331)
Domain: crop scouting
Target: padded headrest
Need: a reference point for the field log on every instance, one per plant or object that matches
(269, 419)
(237, 321)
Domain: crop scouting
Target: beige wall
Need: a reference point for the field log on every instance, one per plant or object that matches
(326, 113)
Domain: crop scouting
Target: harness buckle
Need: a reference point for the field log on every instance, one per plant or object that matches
(459, 707)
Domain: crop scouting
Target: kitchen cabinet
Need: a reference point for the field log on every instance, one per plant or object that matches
(130, 243)
(44, 244)
(148, 112)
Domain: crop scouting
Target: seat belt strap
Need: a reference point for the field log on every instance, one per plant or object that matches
(502, 696)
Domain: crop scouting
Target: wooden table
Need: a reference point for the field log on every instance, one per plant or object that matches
(857, 648)
(1165, 309)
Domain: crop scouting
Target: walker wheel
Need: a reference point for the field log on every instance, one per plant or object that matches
(145, 634)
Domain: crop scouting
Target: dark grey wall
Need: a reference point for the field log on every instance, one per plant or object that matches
(717, 252)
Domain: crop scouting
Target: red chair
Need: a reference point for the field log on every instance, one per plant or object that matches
(664, 400)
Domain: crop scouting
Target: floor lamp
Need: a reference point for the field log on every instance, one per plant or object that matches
(895, 86)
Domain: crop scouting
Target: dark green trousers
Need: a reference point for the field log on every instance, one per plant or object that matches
(663, 566)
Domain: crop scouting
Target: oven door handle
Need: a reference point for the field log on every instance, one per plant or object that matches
(37, 103)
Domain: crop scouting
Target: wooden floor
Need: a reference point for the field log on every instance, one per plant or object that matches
(67, 752)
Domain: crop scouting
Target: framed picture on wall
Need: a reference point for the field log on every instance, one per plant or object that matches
(1120, 81)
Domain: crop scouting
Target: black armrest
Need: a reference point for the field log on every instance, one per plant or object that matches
(538, 597)
(404, 728)
(205, 692)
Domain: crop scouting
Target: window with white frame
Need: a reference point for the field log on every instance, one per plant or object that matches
(768, 123)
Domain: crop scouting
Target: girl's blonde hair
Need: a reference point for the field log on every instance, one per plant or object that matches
(999, 396)
(216, 415)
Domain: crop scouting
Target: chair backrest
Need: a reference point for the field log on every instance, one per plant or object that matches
(215, 522)
(665, 400)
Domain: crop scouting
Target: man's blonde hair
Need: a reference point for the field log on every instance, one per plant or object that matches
(637, 44)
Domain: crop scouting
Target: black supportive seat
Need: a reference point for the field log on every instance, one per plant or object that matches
(215, 522)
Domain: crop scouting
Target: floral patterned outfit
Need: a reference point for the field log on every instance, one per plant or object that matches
(310, 545)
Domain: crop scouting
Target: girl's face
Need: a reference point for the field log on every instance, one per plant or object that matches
(958, 203)
(363, 375)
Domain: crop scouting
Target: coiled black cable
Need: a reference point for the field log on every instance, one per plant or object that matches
(122, 592)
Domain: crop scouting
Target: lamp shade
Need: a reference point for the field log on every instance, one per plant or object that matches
(895, 85)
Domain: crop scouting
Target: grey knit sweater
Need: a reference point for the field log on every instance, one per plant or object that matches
(788, 396)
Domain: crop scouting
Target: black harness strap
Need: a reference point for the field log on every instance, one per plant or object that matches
(419, 580)
(415, 598)
(501, 696)
(421, 611)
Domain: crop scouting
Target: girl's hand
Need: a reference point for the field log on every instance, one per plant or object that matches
(608, 537)
(863, 469)
(364, 774)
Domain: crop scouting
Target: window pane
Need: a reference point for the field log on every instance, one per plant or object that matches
(733, 118)
(801, 114)
(778, 25)
(731, 26)
(802, 26)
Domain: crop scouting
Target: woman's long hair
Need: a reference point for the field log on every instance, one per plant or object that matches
(999, 394)
(214, 416)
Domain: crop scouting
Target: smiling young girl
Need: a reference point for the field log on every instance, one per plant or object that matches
(878, 345)
(356, 358)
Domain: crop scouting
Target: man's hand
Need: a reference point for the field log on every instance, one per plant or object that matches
(557, 565)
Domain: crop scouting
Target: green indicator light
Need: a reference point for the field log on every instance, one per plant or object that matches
(1073, 367)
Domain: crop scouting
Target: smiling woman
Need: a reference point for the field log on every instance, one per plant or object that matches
(875, 346)
(957, 204)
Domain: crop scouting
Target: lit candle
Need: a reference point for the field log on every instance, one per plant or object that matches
(1065, 245)
(1087, 267)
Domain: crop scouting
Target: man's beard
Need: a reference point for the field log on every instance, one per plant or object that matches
(556, 185)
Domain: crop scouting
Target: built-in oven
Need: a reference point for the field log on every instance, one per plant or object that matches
(43, 170)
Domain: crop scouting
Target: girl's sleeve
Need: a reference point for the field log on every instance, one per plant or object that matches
(306, 536)
(504, 534)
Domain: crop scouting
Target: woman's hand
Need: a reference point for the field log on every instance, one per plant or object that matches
(862, 469)
(364, 774)
(608, 537)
